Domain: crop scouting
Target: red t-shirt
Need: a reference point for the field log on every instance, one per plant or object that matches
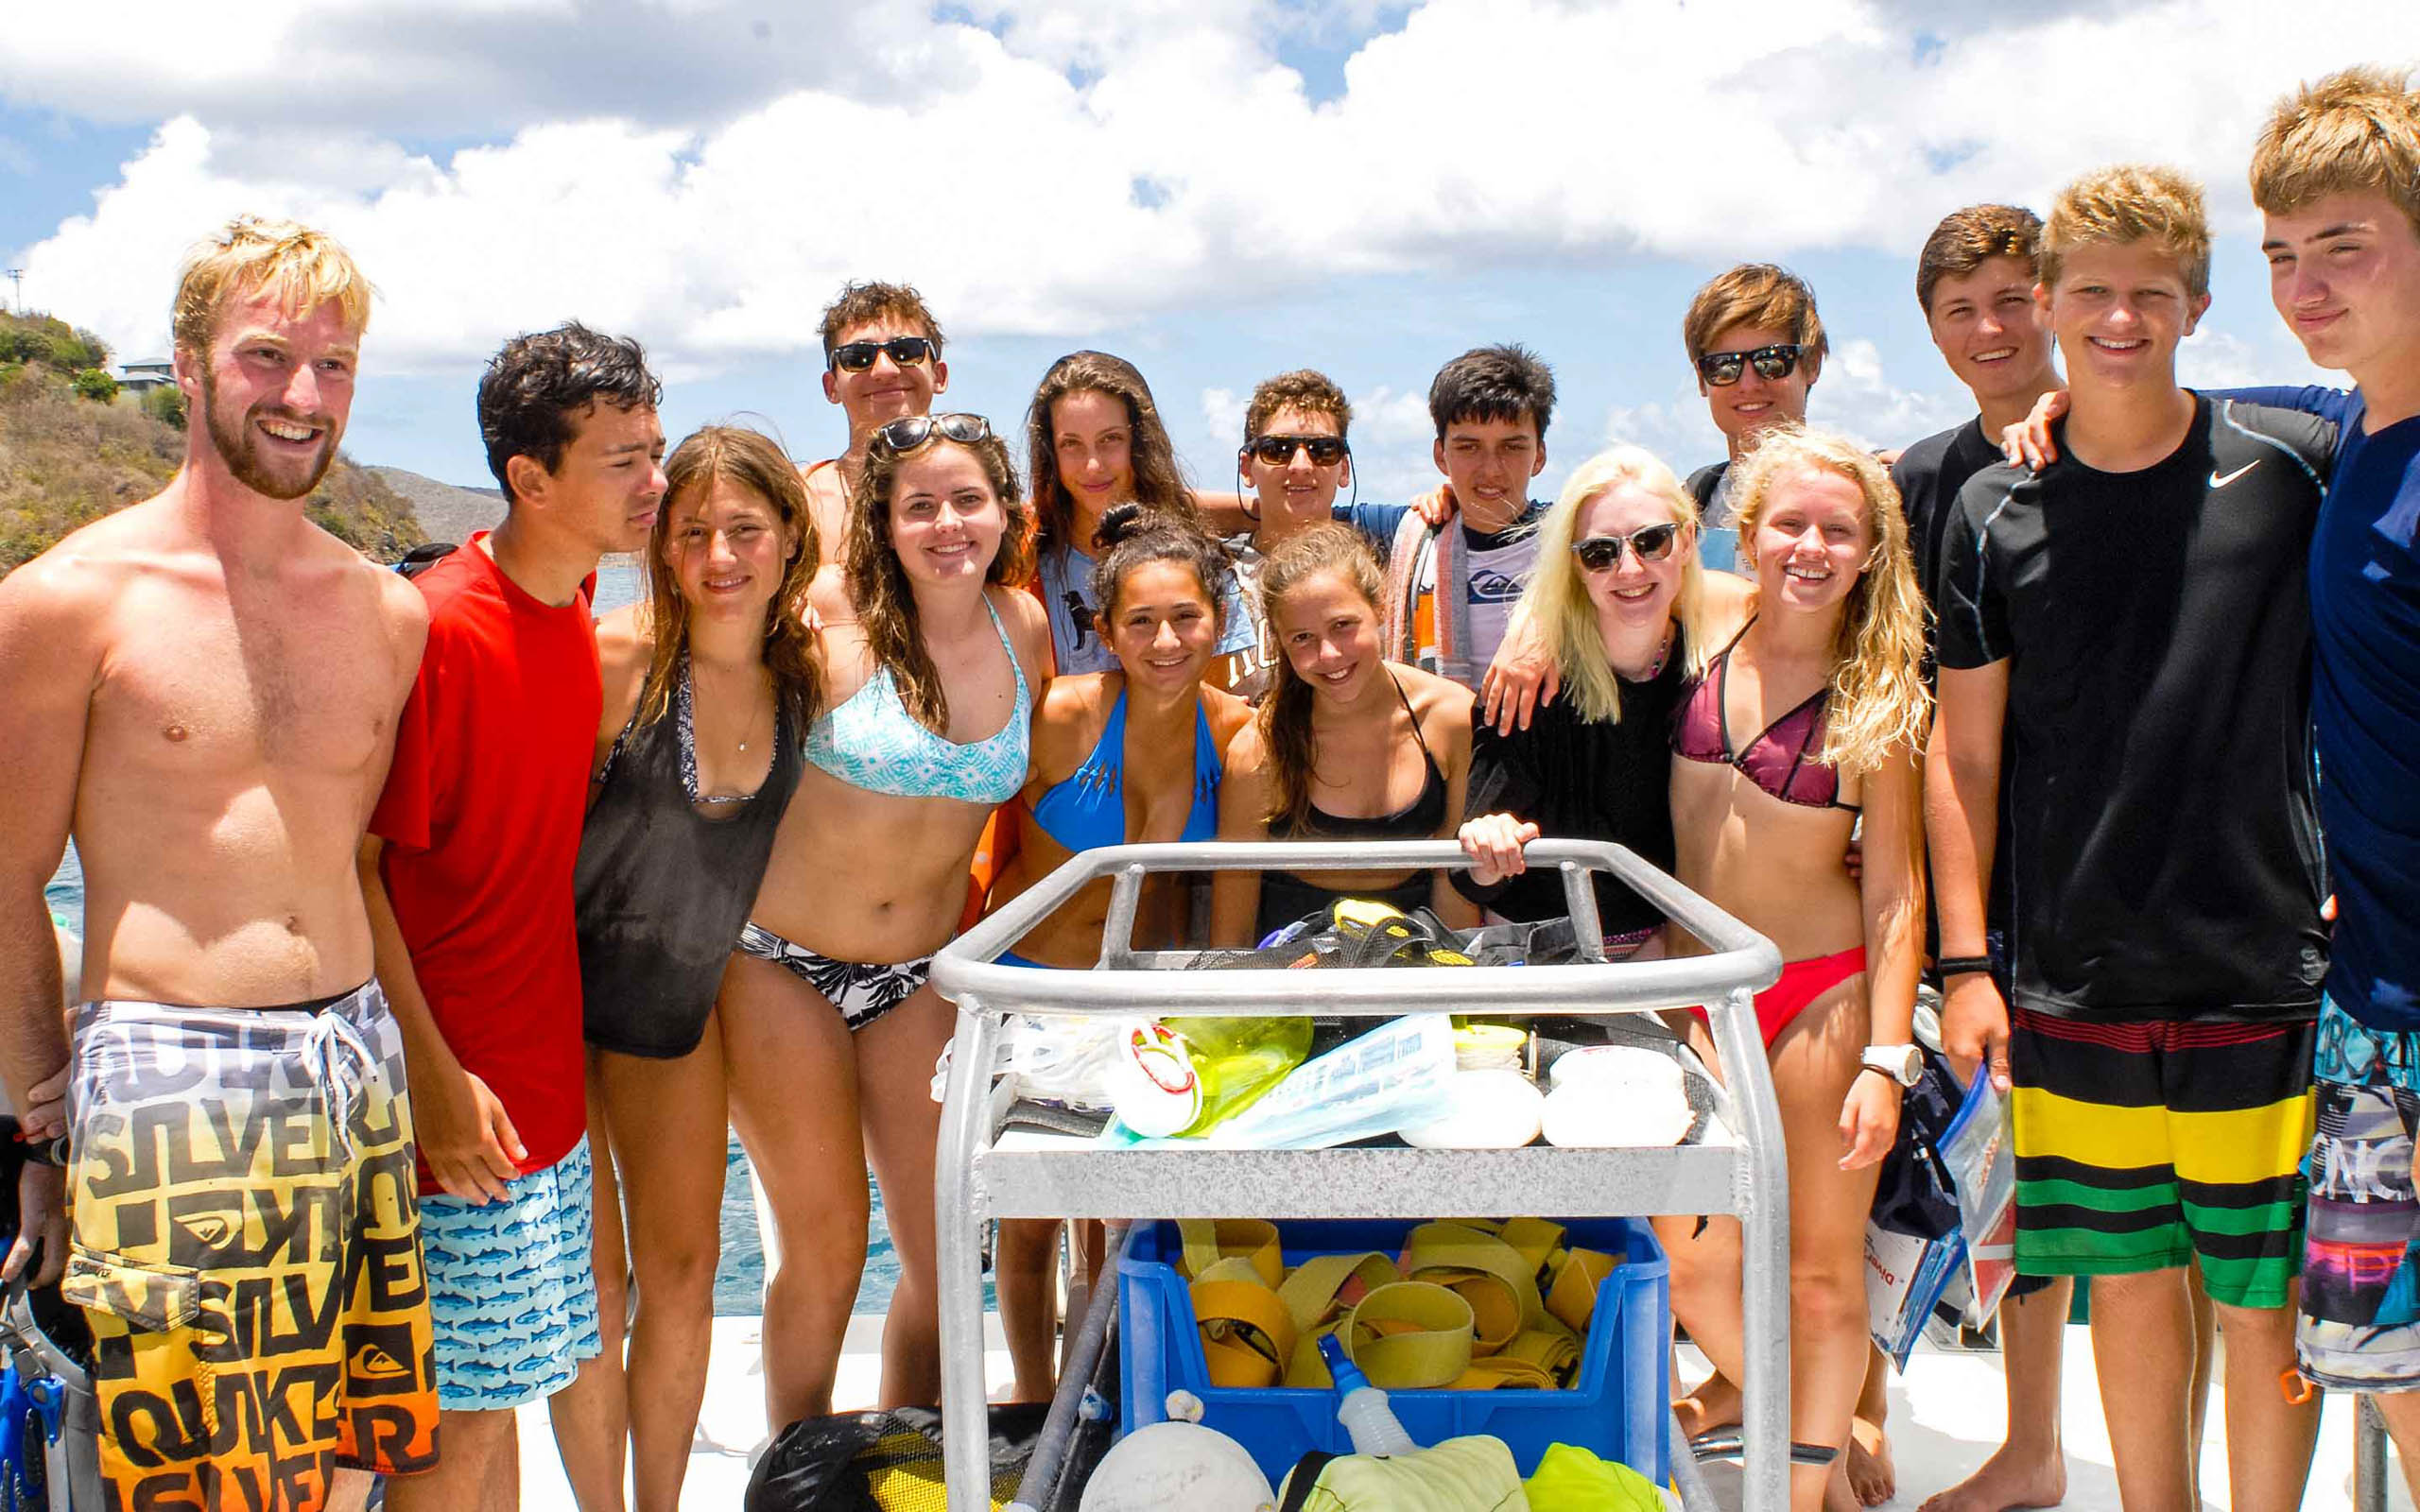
(481, 817)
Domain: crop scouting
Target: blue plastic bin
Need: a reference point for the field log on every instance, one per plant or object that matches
(1619, 1407)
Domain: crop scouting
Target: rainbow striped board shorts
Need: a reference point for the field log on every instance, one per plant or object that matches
(2143, 1144)
(247, 1249)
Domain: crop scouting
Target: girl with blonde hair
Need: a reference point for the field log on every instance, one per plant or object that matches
(1619, 604)
(1808, 719)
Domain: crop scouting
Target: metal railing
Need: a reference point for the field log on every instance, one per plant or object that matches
(1749, 1177)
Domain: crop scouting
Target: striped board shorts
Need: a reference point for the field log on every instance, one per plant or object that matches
(512, 1287)
(2361, 1322)
(2143, 1144)
(246, 1246)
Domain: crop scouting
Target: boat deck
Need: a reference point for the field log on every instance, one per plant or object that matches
(1945, 1418)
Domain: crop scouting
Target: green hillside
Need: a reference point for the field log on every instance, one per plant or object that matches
(73, 450)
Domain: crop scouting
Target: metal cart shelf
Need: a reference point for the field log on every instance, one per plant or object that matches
(1737, 1167)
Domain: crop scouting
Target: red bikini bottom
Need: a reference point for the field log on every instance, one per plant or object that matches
(1802, 983)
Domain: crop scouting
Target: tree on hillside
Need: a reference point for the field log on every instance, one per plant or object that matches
(46, 341)
(166, 405)
(96, 384)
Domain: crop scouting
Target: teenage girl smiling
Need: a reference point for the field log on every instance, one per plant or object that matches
(929, 656)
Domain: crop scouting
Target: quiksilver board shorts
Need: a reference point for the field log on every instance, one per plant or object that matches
(2361, 1322)
(512, 1287)
(246, 1246)
(2144, 1144)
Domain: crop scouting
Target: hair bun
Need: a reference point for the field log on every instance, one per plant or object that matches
(1118, 523)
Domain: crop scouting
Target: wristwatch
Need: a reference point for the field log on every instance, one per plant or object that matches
(1904, 1064)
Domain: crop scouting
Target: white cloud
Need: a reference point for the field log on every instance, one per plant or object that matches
(1223, 411)
(1854, 396)
(1393, 444)
(706, 173)
(1678, 429)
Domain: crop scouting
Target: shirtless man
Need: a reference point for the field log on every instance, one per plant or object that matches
(882, 359)
(202, 691)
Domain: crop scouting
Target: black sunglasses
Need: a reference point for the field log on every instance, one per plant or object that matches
(1722, 369)
(856, 356)
(1277, 450)
(909, 432)
(1602, 554)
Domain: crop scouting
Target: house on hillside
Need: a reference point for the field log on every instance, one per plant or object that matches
(139, 378)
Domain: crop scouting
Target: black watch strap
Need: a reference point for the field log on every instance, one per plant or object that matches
(1950, 966)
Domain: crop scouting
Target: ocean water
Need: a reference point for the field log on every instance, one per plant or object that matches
(739, 1279)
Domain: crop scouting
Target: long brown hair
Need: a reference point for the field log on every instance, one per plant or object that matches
(753, 461)
(1285, 715)
(878, 584)
(1159, 483)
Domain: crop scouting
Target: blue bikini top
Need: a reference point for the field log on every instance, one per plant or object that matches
(1089, 808)
(872, 741)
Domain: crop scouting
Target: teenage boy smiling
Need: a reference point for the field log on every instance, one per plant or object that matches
(1756, 346)
(1295, 457)
(2131, 622)
(1491, 406)
(882, 360)
(2337, 177)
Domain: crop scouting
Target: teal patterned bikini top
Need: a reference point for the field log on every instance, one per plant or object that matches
(872, 741)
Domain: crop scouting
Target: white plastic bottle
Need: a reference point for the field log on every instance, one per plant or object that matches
(1367, 1419)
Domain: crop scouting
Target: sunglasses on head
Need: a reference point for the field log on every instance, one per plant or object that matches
(1278, 451)
(1722, 369)
(909, 432)
(1602, 554)
(856, 356)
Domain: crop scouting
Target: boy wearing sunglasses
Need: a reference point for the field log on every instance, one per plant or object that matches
(882, 360)
(1294, 458)
(2130, 627)
(1757, 346)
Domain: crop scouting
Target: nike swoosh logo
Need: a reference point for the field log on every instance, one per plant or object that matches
(2218, 482)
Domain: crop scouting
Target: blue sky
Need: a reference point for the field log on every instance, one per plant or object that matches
(1217, 189)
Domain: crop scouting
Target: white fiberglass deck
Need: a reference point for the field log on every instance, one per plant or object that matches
(1945, 1419)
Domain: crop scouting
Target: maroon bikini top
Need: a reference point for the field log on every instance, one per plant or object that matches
(1785, 761)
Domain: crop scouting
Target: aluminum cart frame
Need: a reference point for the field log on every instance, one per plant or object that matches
(1737, 1168)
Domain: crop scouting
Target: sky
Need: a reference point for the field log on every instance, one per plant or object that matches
(1218, 190)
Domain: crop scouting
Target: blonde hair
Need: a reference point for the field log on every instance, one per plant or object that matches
(1557, 599)
(305, 267)
(2131, 202)
(1879, 701)
(2357, 132)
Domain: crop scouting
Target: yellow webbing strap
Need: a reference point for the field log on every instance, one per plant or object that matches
(1208, 1241)
(1246, 1335)
(1465, 1312)
(1324, 1285)
(1488, 1272)
(1410, 1335)
(1572, 1298)
(1535, 1240)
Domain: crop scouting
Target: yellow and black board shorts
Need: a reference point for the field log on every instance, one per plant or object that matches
(247, 1249)
(2143, 1144)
